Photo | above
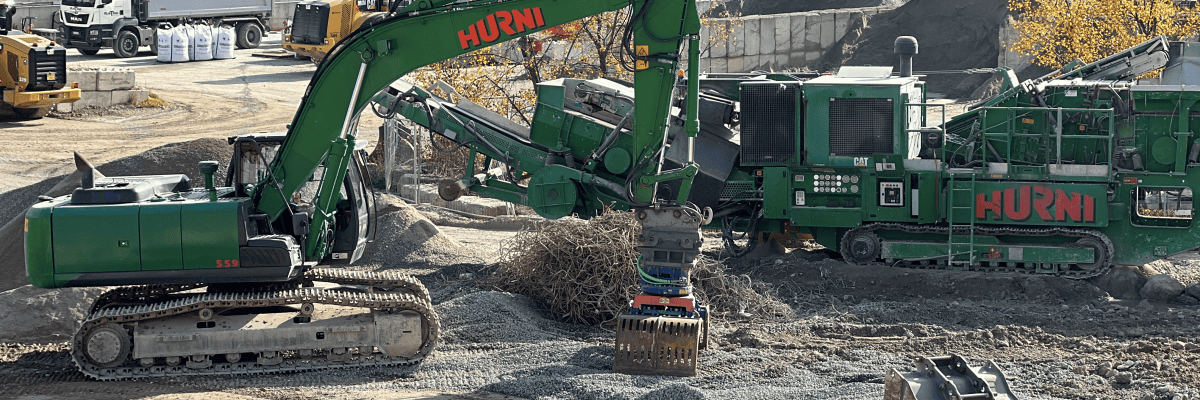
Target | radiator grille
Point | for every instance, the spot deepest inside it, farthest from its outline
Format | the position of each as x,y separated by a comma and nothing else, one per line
44,63
14,64
768,123
860,127
310,23
737,190
347,12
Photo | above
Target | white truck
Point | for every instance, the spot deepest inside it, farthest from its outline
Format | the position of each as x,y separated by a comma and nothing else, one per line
127,25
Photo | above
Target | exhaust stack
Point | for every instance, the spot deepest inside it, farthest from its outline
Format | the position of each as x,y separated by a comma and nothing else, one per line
906,47
88,172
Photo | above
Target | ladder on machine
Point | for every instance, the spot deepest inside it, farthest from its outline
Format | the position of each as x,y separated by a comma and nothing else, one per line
958,245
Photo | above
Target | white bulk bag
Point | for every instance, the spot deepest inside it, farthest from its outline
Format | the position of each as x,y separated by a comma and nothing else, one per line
202,43
225,43
213,32
163,37
181,43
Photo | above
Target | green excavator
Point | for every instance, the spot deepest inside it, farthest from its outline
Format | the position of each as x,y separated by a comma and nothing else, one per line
233,278
1066,175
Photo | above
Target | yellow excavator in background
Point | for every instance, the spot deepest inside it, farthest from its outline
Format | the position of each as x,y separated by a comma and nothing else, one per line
33,71
318,25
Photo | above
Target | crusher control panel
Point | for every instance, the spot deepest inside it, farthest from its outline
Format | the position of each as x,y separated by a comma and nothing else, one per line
891,194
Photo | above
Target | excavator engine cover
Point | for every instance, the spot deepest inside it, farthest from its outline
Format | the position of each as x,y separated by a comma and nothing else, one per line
648,345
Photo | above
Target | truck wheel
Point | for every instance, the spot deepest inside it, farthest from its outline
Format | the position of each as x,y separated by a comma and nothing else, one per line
32,113
126,45
89,52
249,34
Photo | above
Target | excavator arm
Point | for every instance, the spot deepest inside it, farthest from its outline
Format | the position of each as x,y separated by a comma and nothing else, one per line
665,326
373,57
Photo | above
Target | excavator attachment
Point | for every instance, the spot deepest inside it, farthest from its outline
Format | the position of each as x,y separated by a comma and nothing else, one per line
946,378
648,345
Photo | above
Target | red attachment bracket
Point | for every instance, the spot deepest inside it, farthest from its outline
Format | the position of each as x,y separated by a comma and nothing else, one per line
687,303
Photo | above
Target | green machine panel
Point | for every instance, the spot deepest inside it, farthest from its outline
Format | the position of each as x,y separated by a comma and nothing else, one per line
96,238
211,232
162,247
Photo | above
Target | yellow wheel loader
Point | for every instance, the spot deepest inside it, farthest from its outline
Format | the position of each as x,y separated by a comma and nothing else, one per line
318,25
33,71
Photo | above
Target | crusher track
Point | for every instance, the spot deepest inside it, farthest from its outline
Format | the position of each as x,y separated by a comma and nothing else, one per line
399,293
988,231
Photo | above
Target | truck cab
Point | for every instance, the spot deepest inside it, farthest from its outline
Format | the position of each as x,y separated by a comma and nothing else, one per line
89,25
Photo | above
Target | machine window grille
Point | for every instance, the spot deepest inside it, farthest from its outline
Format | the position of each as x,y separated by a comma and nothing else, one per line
768,123
861,127
737,190
1165,203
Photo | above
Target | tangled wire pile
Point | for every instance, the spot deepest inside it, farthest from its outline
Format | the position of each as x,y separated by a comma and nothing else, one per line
737,296
584,272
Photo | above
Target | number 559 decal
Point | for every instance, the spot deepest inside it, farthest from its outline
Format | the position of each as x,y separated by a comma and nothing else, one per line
227,263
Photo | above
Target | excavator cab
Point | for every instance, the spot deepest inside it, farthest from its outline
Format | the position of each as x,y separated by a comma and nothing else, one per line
355,214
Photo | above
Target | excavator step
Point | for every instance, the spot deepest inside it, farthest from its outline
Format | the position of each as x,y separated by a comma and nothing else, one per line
648,345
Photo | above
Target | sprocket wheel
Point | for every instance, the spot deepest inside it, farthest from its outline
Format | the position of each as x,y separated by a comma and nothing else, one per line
107,345
860,247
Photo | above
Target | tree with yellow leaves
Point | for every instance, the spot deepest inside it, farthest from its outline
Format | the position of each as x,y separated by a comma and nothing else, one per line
1056,32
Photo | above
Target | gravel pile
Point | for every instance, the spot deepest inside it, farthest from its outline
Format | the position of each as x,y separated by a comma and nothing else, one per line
502,343
33,314
407,239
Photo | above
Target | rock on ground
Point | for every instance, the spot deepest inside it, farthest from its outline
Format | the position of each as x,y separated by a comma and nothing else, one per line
29,313
1121,282
1161,287
1193,290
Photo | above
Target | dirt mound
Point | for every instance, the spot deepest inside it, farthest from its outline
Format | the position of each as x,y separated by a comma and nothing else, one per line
33,314
176,158
975,41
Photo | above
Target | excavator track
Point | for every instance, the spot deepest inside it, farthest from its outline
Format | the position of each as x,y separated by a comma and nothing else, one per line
989,231
104,346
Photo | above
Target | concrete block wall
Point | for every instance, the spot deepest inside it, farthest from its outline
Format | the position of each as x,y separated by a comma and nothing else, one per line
781,41
104,87
468,204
